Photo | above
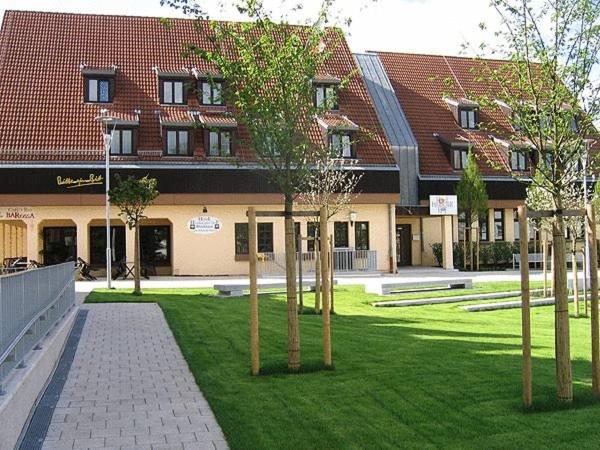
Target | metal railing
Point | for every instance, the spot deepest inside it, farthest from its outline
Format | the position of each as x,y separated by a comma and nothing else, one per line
32,302
344,260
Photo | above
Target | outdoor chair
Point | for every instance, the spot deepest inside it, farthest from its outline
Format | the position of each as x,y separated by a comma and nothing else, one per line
120,269
85,270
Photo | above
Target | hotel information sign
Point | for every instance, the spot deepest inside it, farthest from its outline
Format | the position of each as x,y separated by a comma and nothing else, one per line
443,205
204,225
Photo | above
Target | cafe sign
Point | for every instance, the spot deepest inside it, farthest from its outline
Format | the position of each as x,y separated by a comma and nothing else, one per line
204,225
17,213
443,205
78,182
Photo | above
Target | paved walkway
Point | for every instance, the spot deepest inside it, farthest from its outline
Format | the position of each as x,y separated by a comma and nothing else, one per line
129,387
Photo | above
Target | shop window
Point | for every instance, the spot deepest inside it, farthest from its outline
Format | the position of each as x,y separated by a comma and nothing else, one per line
98,245
98,90
311,228
122,142
499,224
340,235
483,228
211,92
361,235
155,244
60,244
264,234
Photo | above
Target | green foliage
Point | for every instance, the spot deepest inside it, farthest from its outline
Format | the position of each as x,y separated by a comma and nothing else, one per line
438,253
471,191
496,254
132,196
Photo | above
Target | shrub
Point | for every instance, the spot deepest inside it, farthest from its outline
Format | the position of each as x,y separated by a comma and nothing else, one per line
436,248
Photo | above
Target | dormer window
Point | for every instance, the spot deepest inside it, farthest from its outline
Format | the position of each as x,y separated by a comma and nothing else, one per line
98,90
211,92
326,96
467,118
341,144
122,142
219,143
519,160
459,158
172,92
177,142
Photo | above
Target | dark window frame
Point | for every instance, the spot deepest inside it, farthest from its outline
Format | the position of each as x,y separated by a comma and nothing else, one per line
338,227
190,135
310,232
219,132
351,135
516,229
484,228
45,243
468,111
462,160
211,83
99,79
101,229
499,221
120,137
324,86
264,234
184,89
521,162
359,242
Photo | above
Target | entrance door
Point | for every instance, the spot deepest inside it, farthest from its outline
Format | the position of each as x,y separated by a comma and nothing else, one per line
403,245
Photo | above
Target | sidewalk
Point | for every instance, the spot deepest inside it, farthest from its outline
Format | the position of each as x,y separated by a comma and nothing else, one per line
129,387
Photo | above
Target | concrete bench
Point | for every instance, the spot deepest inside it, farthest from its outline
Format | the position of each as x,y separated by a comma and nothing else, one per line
237,290
388,288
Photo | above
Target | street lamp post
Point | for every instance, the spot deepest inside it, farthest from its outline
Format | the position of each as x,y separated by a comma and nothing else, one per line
105,120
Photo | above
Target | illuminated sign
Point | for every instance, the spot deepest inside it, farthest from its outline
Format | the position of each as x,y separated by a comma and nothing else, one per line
71,183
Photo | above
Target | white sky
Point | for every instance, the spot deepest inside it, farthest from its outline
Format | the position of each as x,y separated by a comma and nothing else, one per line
416,26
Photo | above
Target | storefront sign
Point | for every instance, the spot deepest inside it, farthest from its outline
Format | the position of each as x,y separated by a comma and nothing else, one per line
70,182
443,205
17,213
204,225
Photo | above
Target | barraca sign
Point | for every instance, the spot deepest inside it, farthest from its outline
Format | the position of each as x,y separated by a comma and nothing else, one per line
17,213
204,225
71,183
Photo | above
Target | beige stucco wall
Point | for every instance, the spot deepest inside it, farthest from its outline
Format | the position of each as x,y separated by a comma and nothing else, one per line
192,254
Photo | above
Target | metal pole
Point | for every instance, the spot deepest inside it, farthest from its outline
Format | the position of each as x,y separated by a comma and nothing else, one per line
107,142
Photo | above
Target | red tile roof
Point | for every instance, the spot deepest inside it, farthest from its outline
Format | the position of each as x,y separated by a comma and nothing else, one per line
41,86
420,82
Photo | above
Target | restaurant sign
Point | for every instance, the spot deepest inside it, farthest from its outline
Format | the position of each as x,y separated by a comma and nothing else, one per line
17,213
77,182
204,225
443,205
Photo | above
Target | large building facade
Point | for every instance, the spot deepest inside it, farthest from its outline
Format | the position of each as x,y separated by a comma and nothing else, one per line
59,72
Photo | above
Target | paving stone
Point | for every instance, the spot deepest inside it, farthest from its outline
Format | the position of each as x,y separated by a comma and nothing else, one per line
130,388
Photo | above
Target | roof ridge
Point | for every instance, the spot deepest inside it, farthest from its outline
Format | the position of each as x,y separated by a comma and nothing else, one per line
434,55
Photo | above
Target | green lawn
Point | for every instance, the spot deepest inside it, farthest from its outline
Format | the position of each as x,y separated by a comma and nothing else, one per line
423,377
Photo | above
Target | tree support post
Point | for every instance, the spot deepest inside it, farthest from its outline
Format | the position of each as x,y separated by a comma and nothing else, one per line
545,264
252,253
326,310
525,308
591,232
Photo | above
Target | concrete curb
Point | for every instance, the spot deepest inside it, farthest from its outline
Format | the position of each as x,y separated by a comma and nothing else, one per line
24,388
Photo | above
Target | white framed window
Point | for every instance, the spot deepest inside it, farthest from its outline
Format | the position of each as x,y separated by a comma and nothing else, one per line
326,96
467,118
122,142
177,143
341,145
172,92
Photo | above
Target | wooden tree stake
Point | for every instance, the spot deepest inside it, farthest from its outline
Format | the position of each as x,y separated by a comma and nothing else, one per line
525,309
252,253
326,310
575,281
545,263
591,232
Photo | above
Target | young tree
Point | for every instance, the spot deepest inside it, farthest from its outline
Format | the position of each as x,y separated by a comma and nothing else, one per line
549,86
472,198
133,196
333,185
269,67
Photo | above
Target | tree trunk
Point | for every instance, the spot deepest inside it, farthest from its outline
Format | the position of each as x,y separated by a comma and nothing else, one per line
327,361
254,336
545,263
317,276
574,270
593,254
564,383
137,290
290,273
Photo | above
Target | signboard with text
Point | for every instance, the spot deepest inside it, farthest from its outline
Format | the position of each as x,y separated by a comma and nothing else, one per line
17,213
204,225
443,205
